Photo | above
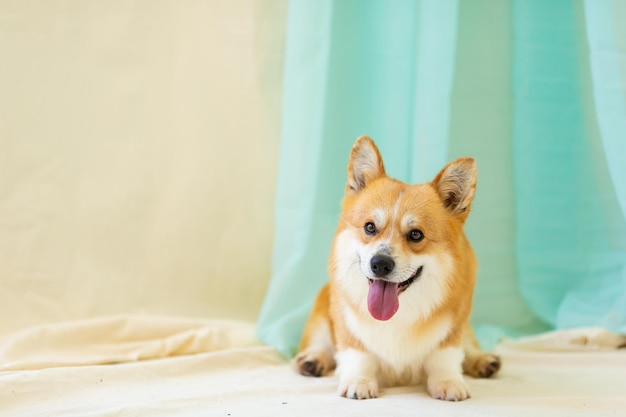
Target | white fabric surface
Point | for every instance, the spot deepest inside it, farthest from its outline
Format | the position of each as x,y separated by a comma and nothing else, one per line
237,376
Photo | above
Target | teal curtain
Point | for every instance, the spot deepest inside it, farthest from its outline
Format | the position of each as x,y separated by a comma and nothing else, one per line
534,90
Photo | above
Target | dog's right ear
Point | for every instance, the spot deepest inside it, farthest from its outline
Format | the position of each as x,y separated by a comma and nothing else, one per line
365,165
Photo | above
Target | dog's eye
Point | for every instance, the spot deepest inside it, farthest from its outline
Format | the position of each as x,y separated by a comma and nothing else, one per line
415,235
370,228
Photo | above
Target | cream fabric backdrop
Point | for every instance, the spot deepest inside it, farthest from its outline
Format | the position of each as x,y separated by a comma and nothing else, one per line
138,154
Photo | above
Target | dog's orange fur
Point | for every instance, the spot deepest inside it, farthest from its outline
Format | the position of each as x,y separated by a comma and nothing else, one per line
430,332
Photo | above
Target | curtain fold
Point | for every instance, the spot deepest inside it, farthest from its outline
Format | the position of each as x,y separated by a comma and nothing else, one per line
570,229
532,89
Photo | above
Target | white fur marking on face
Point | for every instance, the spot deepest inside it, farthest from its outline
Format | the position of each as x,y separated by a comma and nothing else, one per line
409,220
396,206
347,258
396,209
380,220
431,287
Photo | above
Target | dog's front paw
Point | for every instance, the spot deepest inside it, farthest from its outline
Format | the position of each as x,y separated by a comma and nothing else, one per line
359,389
450,390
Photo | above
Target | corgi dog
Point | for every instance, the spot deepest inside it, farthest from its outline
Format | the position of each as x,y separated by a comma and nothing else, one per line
396,308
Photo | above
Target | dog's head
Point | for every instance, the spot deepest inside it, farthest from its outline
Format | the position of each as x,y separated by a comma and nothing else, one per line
403,243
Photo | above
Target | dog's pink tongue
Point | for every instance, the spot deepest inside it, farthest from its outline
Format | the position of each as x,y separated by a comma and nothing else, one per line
382,299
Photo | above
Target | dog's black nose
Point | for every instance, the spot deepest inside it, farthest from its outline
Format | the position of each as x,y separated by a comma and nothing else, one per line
381,265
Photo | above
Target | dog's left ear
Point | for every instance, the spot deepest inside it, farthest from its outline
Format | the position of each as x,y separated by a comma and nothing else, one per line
456,184
365,165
